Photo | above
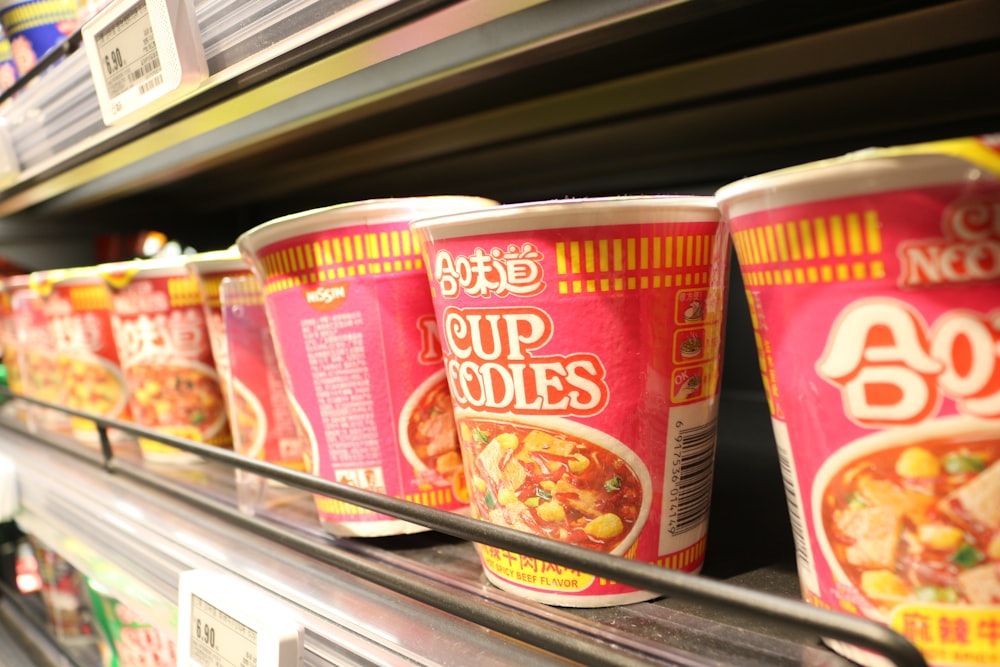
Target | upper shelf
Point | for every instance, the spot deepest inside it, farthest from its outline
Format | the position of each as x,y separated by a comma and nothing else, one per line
530,99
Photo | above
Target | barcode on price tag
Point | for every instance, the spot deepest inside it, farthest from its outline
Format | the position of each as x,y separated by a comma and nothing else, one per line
144,55
224,622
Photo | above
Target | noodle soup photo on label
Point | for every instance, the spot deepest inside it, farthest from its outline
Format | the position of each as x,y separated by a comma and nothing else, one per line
582,345
40,374
77,306
163,344
873,282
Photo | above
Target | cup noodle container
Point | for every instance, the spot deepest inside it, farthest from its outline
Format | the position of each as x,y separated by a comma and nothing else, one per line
582,347
261,416
34,27
37,361
352,321
209,269
163,345
8,333
873,286
77,307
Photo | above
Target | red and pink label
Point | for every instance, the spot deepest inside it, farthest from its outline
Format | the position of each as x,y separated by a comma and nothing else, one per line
354,328
878,323
8,333
163,345
261,416
584,366
209,281
78,311
38,363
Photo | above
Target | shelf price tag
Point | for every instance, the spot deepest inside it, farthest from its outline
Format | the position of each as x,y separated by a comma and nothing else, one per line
144,55
225,622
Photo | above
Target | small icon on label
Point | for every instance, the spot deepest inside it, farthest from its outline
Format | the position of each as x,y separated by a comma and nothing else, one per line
689,344
691,306
688,384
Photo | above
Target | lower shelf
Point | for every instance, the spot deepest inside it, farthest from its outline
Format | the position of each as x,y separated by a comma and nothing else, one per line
417,599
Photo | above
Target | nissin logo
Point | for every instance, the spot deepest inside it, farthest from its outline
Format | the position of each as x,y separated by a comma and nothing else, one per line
325,298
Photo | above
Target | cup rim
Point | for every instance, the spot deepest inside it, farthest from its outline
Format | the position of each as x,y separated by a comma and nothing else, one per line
217,261
368,212
866,171
572,212
146,268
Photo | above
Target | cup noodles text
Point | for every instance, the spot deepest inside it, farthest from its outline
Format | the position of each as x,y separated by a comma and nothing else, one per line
353,325
582,347
163,345
872,282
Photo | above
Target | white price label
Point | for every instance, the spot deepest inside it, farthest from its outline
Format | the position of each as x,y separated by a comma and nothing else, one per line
225,622
218,639
127,48
144,55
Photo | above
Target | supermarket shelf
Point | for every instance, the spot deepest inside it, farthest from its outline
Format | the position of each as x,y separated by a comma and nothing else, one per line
154,524
136,542
55,121
535,99
515,100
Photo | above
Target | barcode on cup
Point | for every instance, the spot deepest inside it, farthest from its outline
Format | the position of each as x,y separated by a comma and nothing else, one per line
692,462
794,499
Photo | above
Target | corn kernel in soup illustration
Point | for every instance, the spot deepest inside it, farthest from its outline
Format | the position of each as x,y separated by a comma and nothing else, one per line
913,515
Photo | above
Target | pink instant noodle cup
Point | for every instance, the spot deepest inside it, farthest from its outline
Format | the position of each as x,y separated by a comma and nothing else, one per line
8,335
261,416
77,307
352,321
209,269
874,289
582,346
163,345
40,374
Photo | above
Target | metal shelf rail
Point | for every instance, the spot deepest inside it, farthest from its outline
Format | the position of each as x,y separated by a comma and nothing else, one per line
823,623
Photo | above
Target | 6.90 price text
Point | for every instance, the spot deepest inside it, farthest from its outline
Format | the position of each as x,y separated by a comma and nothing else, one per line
205,633
113,60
